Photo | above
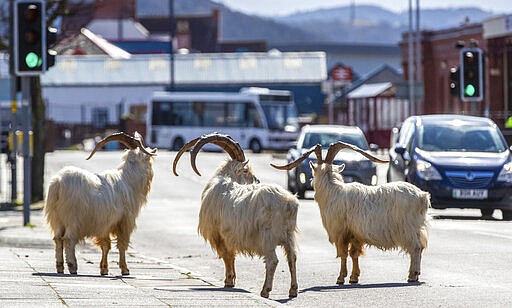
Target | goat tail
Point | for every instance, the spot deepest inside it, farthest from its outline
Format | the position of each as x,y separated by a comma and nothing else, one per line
52,199
423,232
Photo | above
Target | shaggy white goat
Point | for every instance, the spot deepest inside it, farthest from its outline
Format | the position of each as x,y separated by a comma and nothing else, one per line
240,215
81,204
389,216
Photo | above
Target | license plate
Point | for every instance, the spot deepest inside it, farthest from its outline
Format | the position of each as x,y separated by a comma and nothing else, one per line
469,193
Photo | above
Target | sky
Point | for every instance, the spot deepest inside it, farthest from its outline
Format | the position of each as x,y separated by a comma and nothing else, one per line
285,7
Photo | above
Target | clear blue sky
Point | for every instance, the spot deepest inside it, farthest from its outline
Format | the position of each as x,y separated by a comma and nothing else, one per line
285,7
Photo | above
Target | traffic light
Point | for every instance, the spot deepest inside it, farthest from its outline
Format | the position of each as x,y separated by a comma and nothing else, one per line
51,39
454,81
471,75
29,38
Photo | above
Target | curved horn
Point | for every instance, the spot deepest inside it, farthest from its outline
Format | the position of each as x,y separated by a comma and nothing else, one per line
142,146
224,141
334,148
187,146
127,140
318,152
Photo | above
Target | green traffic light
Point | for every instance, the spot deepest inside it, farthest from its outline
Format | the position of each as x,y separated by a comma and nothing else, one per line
469,90
33,60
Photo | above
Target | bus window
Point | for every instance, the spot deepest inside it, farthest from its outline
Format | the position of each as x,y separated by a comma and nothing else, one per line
253,117
235,115
162,114
214,114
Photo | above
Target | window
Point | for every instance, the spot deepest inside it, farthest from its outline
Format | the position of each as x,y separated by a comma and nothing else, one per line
99,117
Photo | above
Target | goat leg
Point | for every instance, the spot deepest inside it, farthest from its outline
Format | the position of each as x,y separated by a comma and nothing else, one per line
70,255
356,249
122,246
270,267
415,267
59,254
104,243
342,249
291,256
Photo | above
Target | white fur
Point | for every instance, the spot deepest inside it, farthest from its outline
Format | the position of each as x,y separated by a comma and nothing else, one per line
389,216
81,204
240,215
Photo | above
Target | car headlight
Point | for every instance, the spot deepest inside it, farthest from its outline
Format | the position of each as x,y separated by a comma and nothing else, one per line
506,173
426,171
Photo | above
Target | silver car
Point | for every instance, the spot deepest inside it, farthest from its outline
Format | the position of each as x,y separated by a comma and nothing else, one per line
357,167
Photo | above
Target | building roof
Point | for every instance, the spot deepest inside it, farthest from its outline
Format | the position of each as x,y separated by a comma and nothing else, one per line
190,69
88,43
370,90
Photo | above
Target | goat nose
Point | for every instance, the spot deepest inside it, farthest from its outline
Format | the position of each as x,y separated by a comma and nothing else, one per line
257,181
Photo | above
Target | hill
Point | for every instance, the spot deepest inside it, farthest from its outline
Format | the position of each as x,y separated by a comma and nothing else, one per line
344,24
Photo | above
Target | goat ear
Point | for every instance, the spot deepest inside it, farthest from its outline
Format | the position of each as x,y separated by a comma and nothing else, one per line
338,168
312,165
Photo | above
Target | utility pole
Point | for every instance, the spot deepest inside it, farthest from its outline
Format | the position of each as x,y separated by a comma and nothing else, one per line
171,38
411,63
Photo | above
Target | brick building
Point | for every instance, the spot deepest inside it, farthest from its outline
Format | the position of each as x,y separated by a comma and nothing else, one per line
441,51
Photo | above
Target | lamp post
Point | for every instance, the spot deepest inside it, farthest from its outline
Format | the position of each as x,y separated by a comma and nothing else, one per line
171,45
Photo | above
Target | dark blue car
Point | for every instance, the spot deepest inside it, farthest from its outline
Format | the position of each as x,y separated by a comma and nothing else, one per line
463,161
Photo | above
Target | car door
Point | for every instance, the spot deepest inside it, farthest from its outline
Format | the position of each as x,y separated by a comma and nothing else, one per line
400,153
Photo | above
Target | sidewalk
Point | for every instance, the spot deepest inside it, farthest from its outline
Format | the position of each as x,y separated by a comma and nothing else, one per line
28,277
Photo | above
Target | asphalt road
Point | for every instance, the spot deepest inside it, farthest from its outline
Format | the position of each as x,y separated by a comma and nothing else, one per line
467,264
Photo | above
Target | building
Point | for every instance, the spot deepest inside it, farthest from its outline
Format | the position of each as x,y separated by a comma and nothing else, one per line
440,51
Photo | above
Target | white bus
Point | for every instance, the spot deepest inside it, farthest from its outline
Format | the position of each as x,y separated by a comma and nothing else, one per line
257,118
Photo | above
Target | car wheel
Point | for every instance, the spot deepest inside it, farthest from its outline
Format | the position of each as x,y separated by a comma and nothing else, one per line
177,144
486,212
289,184
507,215
301,192
255,146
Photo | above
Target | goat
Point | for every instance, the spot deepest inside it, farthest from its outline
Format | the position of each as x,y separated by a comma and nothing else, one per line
240,215
82,204
388,216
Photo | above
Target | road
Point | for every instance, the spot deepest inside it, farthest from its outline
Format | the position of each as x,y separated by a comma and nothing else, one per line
468,262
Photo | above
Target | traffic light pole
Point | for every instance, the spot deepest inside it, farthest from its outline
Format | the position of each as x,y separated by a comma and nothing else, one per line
27,157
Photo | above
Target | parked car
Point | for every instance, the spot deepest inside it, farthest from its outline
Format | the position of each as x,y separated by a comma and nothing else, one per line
357,167
463,161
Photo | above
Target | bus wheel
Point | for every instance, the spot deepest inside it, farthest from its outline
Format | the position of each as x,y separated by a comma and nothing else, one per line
177,144
255,146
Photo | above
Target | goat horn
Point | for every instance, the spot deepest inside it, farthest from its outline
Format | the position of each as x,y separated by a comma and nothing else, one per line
181,151
318,152
127,140
224,141
334,148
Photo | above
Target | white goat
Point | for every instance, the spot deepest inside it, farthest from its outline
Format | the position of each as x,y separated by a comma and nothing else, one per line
389,216
240,215
81,204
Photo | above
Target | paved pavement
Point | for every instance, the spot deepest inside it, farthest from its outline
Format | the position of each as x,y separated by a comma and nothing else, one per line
28,277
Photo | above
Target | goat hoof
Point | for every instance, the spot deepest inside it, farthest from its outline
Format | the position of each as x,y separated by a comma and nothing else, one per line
125,272
104,272
340,281
413,277
264,293
292,293
229,285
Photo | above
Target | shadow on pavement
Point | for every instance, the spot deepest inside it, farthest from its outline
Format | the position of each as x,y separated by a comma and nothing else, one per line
362,286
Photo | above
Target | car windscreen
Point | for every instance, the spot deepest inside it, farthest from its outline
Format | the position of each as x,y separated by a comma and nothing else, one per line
325,139
462,138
